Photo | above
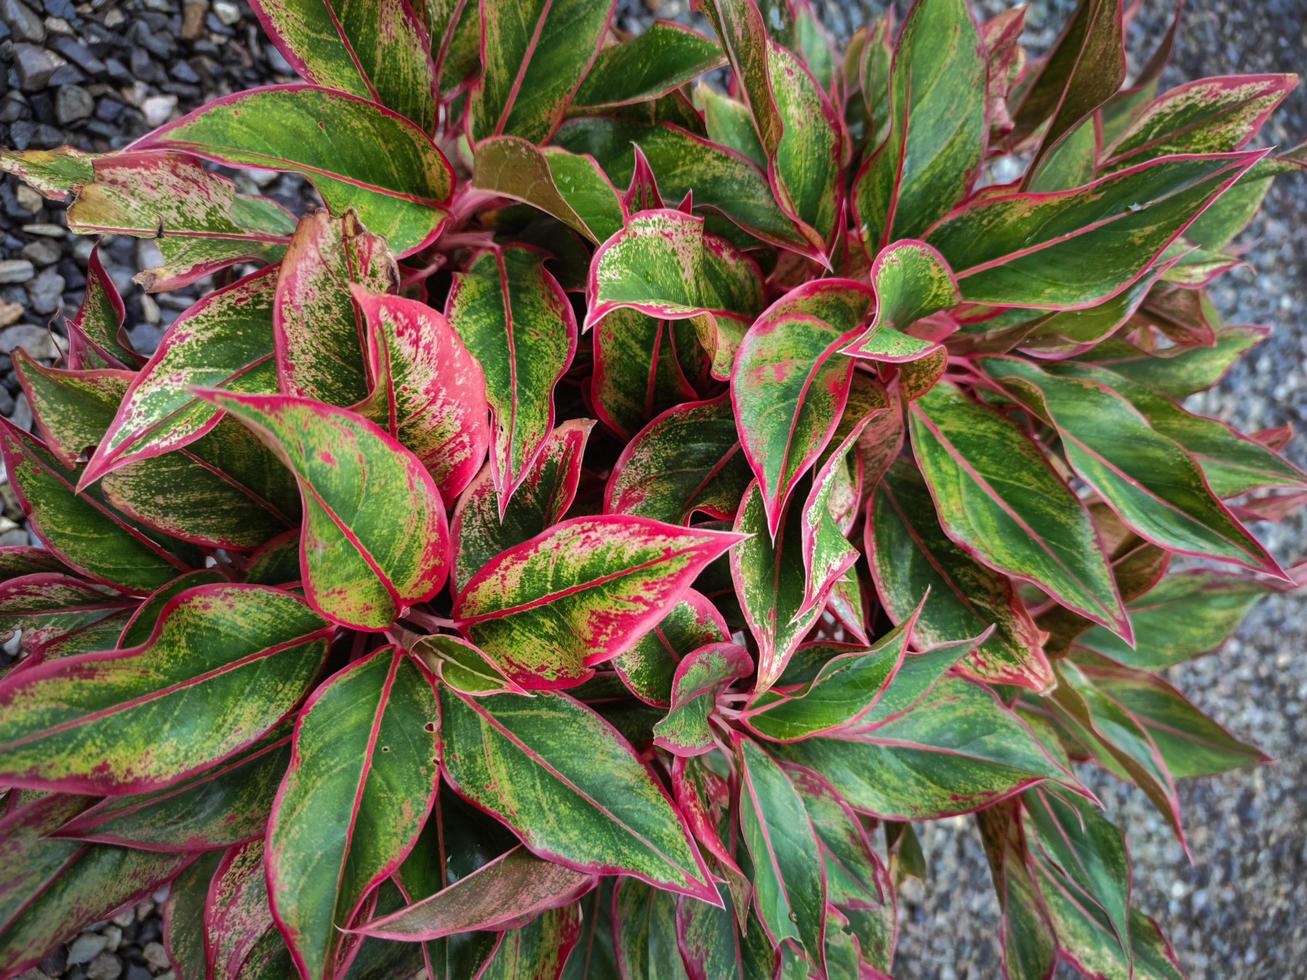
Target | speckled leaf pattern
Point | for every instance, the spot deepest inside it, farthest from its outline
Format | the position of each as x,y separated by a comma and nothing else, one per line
913,562
911,280
379,51
790,384
652,63
1149,480
183,916
548,488
236,913
430,393
223,341
100,322
700,677
319,329
362,779
224,805
648,668
548,610
769,581
1028,944
534,55
569,186
84,532
956,751
827,515
1211,115
50,888
715,176
845,688
570,786
363,566
514,318
357,154
52,609
663,264
72,409
643,365
52,173
711,946
788,876
513,885
198,220
686,460
1074,249
539,949
230,659
1033,528
937,131
644,932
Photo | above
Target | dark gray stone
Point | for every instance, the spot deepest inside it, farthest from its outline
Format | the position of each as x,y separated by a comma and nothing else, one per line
34,65
23,22
73,104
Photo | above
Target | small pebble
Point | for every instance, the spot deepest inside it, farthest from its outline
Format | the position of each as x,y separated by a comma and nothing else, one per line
85,948
16,270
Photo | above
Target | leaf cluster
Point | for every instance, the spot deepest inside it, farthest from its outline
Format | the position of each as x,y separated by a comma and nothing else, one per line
591,542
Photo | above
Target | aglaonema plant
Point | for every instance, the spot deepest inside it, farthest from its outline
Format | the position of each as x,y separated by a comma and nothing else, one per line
592,542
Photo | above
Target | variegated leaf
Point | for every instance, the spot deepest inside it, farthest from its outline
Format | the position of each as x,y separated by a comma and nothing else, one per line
700,677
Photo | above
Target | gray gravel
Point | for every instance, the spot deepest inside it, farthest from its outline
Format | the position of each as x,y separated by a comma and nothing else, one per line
98,74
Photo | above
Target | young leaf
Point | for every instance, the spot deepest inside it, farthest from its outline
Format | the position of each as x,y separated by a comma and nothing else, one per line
101,320
700,678
363,566
228,661
318,326
967,453
788,874
548,610
462,666
534,55
648,667
379,52
911,281
937,125
429,391
515,320
537,949
789,386
361,782
573,788
357,154
481,532
914,563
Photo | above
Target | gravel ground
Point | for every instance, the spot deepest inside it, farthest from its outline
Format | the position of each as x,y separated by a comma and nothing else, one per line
98,74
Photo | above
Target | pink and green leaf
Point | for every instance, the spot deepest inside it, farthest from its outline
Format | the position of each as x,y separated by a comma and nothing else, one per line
228,660
550,609
643,366
700,677
51,607
361,782
462,666
101,321
236,914
363,566
648,668
663,57
569,786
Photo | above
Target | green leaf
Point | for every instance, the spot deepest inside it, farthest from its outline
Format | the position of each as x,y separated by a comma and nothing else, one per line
224,805
226,661
712,175
507,888
700,677
1032,528
663,264
538,949
378,51
196,217
237,919
223,341
52,609
429,392
569,186
910,281
50,888
146,616
1149,480
1179,371
53,173
85,533
662,57
1074,249
855,876
769,581
100,322
1211,115
534,55
643,366
548,610
913,563
712,947
72,409
686,461
318,325
570,786
183,915
1028,942
357,154
789,386
828,514
362,567
516,321
361,782
937,134
648,668
845,688
547,489
644,932
790,886
729,123
958,750
462,666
